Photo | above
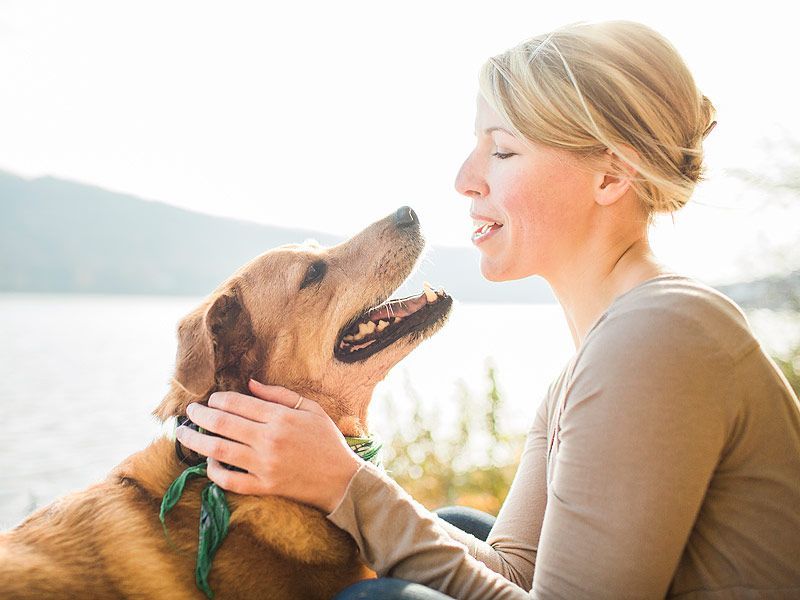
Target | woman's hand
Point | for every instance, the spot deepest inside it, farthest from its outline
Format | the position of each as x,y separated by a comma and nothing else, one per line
296,453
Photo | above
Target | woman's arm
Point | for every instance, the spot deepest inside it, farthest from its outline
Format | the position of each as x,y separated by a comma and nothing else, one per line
509,550
398,537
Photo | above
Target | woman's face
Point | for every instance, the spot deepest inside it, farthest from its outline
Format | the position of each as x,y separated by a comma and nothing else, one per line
530,207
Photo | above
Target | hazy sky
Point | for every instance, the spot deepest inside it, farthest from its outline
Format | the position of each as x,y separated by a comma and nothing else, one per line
329,115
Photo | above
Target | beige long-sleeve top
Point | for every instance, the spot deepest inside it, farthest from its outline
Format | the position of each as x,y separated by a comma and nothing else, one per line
664,461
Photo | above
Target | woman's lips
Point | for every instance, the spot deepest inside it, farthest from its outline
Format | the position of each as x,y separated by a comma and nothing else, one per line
485,231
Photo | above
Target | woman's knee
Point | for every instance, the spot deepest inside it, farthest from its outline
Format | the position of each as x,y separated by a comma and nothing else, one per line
387,588
471,520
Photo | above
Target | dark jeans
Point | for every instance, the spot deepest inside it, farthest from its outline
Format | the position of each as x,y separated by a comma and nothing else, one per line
387,588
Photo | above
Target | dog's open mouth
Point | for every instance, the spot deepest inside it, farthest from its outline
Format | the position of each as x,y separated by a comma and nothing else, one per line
379,327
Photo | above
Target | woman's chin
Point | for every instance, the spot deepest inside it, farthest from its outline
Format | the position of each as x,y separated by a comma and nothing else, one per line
491,270
496,270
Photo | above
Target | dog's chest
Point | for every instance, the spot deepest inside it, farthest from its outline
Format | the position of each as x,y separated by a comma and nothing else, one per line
281,555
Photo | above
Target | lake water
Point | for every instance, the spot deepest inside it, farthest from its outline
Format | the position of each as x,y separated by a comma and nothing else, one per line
81,374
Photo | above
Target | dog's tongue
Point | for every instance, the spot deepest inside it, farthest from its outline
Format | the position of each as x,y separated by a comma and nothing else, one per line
401,308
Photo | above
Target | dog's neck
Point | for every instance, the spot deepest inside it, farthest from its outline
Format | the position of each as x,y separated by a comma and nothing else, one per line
350,416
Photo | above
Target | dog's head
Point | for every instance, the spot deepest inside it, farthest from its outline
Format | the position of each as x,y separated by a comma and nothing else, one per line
315,320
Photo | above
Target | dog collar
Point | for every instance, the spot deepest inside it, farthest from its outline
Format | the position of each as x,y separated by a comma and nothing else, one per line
368,448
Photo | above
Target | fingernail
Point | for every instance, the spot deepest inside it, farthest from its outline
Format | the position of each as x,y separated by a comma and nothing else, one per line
179,431
190,409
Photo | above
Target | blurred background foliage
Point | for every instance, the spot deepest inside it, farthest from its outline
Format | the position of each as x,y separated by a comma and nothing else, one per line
472,466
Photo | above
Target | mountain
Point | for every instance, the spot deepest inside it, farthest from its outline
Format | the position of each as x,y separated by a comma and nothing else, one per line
67,237
777,292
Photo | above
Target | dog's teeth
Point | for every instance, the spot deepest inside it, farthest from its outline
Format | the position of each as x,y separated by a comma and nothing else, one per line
365,328
382,325
430,295
348,338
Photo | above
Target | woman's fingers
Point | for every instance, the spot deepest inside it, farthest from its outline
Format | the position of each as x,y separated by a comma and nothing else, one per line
244,406
283,396
223,423
272,442
227,451
233,481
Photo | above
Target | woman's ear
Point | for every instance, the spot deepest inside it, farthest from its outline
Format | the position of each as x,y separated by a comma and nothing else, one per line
613,181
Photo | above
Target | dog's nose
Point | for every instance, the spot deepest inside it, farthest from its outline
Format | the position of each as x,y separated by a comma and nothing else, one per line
405,217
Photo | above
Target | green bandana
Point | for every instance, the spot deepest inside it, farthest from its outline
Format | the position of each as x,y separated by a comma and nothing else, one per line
214,518
215,514
366,447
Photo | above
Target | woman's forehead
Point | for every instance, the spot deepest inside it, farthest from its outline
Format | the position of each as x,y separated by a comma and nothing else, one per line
487,119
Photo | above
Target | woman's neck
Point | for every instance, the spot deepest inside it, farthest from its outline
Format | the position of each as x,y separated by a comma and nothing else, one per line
587,293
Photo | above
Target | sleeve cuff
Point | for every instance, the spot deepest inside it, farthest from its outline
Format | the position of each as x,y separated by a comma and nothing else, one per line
363,480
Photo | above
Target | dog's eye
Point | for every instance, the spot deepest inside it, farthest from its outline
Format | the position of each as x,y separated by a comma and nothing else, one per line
316,271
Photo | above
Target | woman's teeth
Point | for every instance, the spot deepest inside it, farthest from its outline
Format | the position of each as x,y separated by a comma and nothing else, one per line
484,229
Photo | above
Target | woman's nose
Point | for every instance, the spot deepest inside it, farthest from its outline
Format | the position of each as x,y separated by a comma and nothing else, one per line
469,180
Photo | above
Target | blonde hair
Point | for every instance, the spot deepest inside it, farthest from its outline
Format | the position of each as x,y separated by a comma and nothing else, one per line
587,87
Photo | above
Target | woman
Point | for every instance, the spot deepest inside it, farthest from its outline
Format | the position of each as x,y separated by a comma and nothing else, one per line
664,459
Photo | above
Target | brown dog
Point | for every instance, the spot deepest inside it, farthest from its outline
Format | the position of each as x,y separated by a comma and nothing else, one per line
289,317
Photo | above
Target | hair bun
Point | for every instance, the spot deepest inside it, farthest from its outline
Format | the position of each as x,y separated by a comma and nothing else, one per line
692,166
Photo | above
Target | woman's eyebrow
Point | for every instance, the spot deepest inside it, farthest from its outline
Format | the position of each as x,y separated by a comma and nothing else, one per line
489,130
503,129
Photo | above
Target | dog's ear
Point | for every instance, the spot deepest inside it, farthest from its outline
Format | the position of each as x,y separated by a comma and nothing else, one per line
233,341
216,351
194,367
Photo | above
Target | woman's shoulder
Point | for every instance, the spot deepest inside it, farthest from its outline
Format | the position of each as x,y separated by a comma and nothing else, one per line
677,310
668,344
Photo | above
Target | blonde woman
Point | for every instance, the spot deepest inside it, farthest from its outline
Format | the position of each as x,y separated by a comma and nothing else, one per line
664,460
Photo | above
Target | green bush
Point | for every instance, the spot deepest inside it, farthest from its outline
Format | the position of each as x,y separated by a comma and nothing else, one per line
790,366
445,470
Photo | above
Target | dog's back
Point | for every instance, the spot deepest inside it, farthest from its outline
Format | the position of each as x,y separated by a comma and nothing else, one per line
107,542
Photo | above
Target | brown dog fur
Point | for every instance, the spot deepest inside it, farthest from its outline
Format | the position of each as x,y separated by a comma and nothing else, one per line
107,541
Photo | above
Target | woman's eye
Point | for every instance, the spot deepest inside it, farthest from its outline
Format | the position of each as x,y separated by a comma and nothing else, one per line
503,154
314,273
